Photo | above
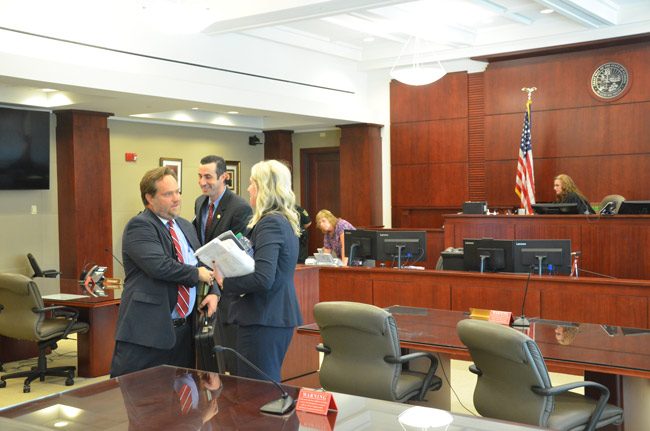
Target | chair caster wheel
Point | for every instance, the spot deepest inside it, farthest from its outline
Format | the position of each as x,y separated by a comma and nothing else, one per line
3,384
69,382
26,389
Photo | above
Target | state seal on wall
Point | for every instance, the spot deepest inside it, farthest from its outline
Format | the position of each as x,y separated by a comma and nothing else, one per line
609,80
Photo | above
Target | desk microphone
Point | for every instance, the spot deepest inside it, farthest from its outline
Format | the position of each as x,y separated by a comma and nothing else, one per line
522,321
114,257
275,407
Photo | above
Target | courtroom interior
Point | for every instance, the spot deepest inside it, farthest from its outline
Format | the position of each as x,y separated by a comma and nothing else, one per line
436,177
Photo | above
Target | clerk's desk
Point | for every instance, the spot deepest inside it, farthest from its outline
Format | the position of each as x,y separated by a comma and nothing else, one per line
146,400
95,347
596,350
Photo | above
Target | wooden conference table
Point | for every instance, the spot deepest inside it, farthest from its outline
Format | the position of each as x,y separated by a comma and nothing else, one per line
148,400
95,347
597,351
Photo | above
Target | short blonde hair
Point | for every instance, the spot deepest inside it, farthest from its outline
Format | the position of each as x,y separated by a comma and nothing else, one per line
274,194
327,215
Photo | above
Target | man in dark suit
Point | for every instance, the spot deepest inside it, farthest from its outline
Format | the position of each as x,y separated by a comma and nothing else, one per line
216,211
155,318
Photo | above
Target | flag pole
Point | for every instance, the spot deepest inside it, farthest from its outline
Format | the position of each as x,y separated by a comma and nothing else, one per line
525,179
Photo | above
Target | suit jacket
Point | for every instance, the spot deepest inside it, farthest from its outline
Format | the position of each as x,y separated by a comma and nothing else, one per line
233,213
269,296
152,275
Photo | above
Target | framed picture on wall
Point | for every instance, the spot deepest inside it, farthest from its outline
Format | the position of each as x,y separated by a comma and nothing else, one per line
177,166
232,169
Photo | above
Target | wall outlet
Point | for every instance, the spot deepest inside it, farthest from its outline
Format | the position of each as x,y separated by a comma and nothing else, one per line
34,210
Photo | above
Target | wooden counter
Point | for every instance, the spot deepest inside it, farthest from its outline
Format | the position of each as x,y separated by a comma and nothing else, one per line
584,299
610,245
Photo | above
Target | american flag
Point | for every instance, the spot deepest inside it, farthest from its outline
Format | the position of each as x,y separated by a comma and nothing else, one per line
525,182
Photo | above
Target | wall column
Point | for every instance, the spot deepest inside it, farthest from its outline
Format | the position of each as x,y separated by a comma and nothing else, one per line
278,145
361,185
84,191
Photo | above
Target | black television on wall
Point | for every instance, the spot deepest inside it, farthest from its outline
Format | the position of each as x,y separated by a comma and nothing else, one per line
24,149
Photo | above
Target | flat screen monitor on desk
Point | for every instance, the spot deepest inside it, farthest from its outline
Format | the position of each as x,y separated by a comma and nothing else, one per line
543,256
488,255
634,207
401,246
555,208
360,246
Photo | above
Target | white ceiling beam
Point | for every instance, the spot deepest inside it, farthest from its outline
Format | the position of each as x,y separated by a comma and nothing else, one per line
591,13
299,13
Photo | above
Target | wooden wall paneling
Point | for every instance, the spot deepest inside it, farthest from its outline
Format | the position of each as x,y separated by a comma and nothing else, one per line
421,218
412,291
559,304
433,185
476,137
495,294
446,98
478,227
302,357
84,191
360,174
278,145
355,286
500,180
617,247
552,228
563,80
442,140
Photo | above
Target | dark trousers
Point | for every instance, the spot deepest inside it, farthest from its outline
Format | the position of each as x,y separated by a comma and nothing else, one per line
264,346
225,334
129,357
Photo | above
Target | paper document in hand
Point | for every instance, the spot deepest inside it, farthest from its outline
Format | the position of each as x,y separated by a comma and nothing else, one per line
231,260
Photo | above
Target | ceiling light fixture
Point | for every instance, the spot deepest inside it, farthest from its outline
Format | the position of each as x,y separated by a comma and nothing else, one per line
233,112
48,90
416,73
546,11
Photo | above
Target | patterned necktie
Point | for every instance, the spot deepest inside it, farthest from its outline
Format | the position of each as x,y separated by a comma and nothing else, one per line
208,221
183,297
185,398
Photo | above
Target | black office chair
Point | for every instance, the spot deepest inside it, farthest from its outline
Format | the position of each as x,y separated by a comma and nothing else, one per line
24,317
38,272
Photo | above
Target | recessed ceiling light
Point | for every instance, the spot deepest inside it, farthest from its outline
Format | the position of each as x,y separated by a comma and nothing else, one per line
48,90
195,109
546,11
233,112
368,39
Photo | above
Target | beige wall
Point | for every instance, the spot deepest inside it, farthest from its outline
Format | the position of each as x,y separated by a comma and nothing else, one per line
152,141
38,234
22,232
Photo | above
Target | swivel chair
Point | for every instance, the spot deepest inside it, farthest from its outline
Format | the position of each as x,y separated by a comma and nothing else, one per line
616,202
24,317
363,356
49,273
513,383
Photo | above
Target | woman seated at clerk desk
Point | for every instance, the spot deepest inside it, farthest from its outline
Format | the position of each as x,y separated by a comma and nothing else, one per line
333,227
566,192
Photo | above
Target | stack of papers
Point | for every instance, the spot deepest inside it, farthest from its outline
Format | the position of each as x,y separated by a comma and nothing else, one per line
228,256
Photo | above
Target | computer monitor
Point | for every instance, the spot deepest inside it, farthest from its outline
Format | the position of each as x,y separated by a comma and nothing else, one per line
555,208
360,246
401,246
488,255
634,207
542,256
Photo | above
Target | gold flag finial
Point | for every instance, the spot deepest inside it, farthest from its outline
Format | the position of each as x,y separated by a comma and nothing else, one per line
529,90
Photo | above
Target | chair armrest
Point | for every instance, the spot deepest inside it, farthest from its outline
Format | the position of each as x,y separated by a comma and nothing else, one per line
71,314
324,349
433,366
475,370
600,405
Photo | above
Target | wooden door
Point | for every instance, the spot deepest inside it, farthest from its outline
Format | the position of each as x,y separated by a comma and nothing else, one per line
320,188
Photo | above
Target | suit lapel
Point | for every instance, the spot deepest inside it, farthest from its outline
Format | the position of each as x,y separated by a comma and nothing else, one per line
218,215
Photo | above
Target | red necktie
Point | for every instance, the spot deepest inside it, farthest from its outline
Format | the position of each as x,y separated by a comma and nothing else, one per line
208,221
183,298
185,398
